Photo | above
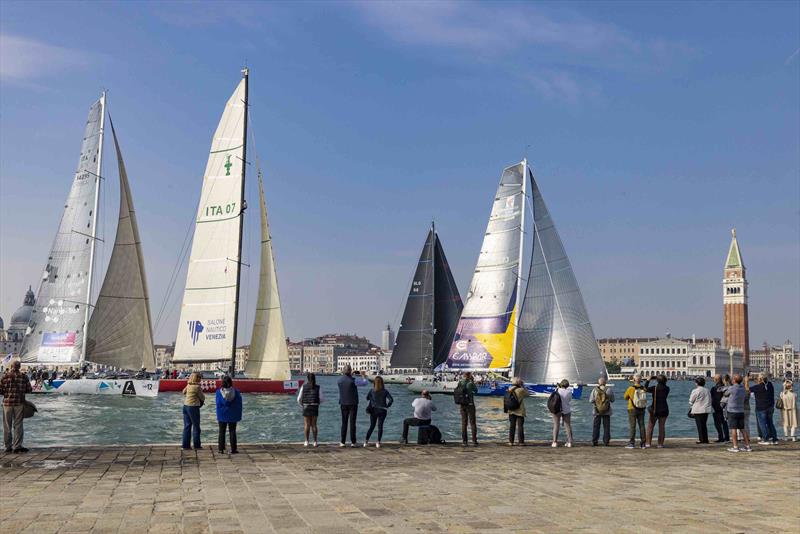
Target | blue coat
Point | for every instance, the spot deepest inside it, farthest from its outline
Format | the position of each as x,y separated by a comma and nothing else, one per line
348,393
229,411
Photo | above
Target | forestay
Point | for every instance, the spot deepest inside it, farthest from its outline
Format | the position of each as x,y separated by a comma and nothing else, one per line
484,338
208,312
56,331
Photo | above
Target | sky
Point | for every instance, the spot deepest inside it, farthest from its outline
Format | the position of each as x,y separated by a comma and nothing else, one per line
652,128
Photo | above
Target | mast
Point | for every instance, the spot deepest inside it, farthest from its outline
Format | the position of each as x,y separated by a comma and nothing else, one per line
232,370
94,228
519,264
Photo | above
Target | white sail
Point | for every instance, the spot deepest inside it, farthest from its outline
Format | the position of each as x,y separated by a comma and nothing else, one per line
120,331
485,335
56,331
206,330
269,355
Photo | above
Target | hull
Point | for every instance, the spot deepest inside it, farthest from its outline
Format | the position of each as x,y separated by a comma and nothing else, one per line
245,385
489,389
402,378
98,386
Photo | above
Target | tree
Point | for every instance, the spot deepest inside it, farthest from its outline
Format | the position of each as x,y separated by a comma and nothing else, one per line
612,367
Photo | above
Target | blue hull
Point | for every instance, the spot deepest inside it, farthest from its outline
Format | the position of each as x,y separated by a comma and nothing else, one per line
498,389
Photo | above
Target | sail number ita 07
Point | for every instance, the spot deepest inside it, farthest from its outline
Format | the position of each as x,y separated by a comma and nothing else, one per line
227,209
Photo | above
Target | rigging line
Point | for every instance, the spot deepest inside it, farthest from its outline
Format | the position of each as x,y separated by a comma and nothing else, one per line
174,275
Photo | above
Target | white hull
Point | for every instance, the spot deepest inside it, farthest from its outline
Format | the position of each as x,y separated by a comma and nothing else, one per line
402,378
98,386
446,387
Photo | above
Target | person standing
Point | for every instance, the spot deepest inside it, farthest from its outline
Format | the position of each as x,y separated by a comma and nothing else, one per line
699,408
193,399
720,423
765,407
736,395
348,403
13,386
516,416
636,395
565,415
309,398
789,411
659,409
464,395
601,398
380,400
229,412
423,408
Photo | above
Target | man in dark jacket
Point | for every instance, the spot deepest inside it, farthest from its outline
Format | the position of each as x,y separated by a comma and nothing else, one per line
468,409
765,407
13,386
717,392
348,403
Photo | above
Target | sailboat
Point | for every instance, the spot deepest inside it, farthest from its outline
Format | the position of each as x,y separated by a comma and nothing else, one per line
429,321
538,331
63,329
210,309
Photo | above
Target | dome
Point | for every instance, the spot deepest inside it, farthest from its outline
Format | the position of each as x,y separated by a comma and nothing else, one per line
21,317
1,323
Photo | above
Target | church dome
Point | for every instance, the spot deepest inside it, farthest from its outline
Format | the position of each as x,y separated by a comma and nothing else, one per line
1,323
21,317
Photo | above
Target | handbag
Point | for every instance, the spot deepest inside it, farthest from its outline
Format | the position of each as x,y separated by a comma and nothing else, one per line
690,415
28,409
370,409
779,402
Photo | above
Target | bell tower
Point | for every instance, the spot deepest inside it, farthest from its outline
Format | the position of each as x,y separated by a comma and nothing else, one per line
734,301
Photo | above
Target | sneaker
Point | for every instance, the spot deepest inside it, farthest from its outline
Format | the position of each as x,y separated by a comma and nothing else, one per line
366,444
353,445
342,445
747,449
594,444
659,446
630,446
569,444
378,445
9,449
20,450
316,444
719,441
463,443
775,442
403,442
554,444
474,443
794,438
642,446
235,451
305,443
733,449
221,451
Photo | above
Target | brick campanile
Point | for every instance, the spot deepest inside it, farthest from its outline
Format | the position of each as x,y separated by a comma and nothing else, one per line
734,300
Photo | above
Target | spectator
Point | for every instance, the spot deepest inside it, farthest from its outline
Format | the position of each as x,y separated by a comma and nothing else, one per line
516,416
565,416
348,403
423,408
699,408
720,423
13,386
193,399
466,399
765,407
788,407
636,395
601,399
659,409
229,412
736,395
310,397
380,400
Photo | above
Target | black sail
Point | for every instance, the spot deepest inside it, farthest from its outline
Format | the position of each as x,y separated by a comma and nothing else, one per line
414,346
447,305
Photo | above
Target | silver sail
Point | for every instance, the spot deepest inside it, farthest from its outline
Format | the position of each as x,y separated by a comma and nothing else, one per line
120,331
56,331
555,340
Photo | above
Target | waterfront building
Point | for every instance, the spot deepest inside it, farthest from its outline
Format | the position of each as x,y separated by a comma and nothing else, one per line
11,338
736,332
387,338
369,363
664,356
778,360
321,354
707,361
617,349
163,355
687,358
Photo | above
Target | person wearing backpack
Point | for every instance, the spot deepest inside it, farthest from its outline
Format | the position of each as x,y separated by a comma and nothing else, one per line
564,413
636,396
601,398
464,396
514,405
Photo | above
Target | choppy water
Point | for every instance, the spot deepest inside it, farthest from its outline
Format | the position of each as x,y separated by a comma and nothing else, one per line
113,420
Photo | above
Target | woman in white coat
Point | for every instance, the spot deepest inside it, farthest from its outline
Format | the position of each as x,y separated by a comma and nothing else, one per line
699,408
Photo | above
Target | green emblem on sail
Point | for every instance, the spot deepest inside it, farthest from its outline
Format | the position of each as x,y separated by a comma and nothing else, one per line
228,166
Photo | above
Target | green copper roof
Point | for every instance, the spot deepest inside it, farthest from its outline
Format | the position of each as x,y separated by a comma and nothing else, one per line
734,256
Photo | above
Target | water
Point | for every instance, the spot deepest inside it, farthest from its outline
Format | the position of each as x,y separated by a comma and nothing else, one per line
116,420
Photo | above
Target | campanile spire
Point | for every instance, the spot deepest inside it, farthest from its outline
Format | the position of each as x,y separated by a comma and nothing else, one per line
734,301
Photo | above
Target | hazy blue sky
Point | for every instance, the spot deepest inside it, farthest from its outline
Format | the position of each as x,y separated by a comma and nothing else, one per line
653,129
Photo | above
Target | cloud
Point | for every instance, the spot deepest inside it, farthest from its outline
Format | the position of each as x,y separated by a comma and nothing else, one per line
24,60
792,57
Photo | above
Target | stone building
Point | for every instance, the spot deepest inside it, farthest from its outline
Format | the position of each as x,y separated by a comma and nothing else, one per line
11,338
618,349
687,358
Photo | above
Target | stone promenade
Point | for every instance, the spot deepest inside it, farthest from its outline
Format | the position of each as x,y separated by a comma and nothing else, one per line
492,488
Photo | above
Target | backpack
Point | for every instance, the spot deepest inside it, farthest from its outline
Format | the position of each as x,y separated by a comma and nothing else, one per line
461,395
639,398
554,402
428,435
601,402
510,400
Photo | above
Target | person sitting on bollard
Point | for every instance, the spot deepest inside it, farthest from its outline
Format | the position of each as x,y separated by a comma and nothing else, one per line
423,408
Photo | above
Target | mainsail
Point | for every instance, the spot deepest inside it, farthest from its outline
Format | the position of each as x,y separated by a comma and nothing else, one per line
447,305
120,331
269,355
555,339
207,327
485,336
58,322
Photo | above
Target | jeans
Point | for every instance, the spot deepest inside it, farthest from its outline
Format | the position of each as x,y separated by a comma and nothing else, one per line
13,431
413,421
191,425
766,424
377,416
723,434
349,412
636,417
232,430
662,428
701,420
606,422
516,422
567,418
468,415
